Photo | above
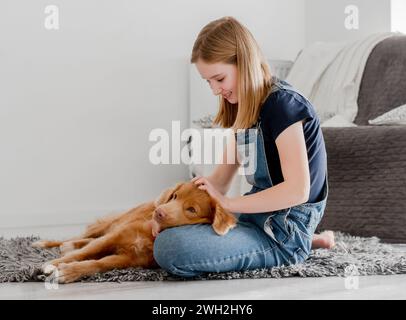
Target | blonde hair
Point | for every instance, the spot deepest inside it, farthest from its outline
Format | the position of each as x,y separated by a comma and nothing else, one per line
227,41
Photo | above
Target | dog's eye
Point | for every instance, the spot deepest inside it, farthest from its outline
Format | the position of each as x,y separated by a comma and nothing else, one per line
174,197
191,209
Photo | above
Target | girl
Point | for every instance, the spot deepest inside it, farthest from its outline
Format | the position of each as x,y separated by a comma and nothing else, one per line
278,216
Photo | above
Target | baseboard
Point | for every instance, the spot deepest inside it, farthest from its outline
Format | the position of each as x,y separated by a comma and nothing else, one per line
54,218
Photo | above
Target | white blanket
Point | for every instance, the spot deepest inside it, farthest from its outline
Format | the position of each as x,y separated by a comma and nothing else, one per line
329,75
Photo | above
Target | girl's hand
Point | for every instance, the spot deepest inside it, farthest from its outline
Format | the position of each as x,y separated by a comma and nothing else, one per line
204,184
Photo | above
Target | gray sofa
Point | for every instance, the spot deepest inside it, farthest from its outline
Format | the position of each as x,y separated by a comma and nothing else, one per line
367,164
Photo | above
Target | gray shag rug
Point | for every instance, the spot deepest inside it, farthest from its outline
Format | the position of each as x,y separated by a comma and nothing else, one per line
19,262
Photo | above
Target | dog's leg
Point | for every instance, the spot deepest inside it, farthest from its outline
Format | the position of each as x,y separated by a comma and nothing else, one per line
70,272
89,251
69,246
46,244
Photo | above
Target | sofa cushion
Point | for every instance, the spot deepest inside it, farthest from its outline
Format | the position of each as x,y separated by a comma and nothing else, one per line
383,85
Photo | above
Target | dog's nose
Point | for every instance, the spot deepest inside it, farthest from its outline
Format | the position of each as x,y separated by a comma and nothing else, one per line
160,213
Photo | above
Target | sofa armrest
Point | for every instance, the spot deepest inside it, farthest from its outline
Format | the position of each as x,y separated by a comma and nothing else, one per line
367,180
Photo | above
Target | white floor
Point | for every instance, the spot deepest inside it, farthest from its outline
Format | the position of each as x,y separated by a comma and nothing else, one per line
368,287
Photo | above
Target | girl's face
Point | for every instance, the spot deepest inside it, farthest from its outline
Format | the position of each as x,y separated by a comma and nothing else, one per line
221,77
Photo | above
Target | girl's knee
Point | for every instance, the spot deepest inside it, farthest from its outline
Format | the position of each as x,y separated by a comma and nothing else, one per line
168,248
172,250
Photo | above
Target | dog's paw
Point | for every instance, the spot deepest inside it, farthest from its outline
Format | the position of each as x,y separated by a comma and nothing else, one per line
60,274
67,273
39,244
48,268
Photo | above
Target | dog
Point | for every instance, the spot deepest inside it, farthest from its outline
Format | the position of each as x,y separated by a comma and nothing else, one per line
127,239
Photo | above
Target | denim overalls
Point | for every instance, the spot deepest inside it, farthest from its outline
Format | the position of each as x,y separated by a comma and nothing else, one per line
291,229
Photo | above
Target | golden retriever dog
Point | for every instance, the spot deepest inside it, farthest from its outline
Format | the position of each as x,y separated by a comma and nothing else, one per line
127,239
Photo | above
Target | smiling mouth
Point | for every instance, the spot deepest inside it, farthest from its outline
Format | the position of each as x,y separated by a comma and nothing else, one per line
227,96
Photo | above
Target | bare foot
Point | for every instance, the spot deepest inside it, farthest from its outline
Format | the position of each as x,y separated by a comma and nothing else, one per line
323,240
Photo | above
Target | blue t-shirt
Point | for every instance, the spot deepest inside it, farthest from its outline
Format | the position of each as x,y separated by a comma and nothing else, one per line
283,107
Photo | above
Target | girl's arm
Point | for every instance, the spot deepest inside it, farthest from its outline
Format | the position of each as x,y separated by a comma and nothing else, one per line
294,189
224,172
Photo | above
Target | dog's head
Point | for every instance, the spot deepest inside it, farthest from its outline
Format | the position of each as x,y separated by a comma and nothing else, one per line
185,204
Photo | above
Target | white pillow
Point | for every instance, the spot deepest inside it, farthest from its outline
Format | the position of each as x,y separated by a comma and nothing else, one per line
338,121
396,116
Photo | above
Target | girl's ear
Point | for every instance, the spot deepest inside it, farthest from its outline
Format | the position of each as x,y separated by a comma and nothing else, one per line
223,220
165,196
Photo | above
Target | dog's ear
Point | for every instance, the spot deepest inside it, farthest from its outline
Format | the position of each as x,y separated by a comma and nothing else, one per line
167,194
223,220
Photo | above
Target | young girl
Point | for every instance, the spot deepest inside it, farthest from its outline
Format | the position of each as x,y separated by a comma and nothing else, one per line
279,215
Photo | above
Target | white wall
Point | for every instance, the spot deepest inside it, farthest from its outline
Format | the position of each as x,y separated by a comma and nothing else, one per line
398,15
325,19
77,104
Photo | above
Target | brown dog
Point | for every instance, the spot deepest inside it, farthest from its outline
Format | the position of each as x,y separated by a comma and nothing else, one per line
126,240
